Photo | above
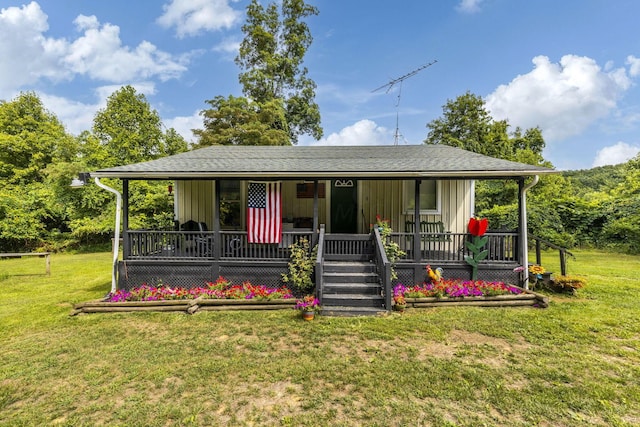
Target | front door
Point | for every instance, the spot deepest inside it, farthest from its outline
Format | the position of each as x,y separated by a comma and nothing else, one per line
344,206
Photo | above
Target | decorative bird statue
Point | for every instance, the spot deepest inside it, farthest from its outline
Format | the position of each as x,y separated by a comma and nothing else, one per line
436,275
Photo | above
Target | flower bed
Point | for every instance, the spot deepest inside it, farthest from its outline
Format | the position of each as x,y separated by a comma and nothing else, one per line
218,295
460,292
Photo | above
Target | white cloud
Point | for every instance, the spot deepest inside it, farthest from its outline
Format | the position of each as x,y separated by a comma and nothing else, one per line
469,6
76,116
229,45
615,154
634,65
364,132
184,125
97,53
563,98
32,55
191,17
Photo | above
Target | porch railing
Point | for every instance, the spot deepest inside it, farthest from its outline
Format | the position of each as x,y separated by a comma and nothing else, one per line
501,246
320,265
356,247
157,244
383,267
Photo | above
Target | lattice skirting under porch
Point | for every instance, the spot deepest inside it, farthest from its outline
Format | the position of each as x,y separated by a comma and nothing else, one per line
132,274
415,274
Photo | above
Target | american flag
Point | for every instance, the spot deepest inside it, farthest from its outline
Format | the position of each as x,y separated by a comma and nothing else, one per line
264,212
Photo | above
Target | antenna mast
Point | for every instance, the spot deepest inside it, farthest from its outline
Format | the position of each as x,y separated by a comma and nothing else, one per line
400,80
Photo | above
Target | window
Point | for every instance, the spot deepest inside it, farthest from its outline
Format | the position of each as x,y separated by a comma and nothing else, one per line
230,203
429,196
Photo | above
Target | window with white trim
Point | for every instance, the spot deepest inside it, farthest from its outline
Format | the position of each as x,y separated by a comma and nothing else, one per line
429,196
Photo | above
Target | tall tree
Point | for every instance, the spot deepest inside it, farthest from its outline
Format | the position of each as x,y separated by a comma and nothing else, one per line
271,57
280,97
239,121
31,139
131,131
468,125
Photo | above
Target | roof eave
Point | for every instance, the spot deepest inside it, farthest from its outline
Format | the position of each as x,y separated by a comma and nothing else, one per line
323,175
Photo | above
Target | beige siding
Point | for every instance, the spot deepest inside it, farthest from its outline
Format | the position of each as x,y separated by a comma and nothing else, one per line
386,198
195,201
293,207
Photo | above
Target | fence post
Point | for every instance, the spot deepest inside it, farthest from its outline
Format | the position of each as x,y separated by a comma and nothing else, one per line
563,262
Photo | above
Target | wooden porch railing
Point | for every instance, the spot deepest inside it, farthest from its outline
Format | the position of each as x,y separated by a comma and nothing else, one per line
502,246
383,267
154,244
562,252
320,265
355,247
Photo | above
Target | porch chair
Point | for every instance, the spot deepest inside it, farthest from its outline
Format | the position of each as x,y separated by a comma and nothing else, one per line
434,231
202,243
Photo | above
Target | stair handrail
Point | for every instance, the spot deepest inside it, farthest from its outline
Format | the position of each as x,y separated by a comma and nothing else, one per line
320,264
562,252
383,266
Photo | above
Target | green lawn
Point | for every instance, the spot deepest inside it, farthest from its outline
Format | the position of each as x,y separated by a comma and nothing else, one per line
575,363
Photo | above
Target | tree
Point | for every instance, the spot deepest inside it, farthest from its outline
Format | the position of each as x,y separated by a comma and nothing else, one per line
468,125
239,121
279,103
30,137
130,131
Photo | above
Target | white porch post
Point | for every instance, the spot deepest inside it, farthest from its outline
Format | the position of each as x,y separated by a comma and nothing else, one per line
524,231
116,234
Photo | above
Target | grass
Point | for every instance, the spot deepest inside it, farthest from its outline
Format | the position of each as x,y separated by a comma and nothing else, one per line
575,363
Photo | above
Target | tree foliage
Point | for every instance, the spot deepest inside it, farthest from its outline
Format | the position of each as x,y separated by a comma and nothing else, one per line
130,131
468,125
239,121
598,207
38,159
279,103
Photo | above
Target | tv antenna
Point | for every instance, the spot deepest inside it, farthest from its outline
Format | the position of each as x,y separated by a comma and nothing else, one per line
399,81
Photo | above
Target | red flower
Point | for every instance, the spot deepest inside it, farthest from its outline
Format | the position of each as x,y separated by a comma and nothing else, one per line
477,227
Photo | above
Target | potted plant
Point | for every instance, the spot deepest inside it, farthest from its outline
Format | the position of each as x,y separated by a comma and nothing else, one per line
301,264
308,306
399,303
535,275
567,284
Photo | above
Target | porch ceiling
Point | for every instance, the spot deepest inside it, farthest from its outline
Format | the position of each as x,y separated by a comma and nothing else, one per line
305,162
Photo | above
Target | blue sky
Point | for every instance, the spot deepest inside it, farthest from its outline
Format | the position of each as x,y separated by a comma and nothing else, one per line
571,67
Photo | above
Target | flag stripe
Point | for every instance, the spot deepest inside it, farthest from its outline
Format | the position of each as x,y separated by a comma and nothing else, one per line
264,216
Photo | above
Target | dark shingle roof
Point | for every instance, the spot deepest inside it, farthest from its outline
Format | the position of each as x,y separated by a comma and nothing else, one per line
324,162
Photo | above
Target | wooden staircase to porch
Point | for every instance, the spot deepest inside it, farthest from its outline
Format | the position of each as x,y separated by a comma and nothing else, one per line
351,288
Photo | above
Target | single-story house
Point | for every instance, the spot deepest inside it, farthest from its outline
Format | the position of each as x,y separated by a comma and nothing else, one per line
238,208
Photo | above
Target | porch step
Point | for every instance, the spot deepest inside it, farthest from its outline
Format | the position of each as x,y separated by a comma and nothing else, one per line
343,277
353,300
349,267
340,311
351,288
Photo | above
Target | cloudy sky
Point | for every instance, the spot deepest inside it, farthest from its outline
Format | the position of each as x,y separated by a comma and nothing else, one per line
570,67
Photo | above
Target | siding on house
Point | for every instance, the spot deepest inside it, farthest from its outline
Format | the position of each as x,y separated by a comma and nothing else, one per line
196,198
387,199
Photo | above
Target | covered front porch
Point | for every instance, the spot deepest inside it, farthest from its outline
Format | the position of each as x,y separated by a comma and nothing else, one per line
190,258
332,197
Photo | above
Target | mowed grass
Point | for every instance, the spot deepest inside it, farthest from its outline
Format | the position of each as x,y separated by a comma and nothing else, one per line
575,363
